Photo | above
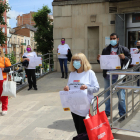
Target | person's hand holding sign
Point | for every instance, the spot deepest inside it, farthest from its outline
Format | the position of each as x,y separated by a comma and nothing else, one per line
122,56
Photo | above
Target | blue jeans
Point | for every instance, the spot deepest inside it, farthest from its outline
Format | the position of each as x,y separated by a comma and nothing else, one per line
121,97
61,61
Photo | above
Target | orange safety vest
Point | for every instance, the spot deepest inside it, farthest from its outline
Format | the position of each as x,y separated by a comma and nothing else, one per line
2,65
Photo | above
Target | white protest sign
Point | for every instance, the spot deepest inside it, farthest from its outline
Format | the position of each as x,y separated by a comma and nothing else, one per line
132,50
35,61
110,62
135,59
62,51
74,100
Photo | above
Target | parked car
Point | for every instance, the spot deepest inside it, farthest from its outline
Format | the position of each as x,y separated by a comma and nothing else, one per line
16,76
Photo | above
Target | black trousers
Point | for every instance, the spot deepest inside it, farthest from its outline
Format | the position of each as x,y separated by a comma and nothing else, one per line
79,123
31,77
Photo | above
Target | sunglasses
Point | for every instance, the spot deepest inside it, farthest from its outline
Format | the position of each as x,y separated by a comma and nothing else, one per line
76,59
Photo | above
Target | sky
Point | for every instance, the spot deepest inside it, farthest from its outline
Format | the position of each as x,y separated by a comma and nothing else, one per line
19,7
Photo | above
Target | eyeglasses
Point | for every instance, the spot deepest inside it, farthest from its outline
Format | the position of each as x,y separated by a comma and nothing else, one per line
76,59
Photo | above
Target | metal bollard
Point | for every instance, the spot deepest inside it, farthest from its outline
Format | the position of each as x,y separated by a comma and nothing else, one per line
111,100
126,98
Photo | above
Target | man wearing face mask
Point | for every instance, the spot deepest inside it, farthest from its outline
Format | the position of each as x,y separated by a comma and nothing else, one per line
137,52
63,58
115,49
30,70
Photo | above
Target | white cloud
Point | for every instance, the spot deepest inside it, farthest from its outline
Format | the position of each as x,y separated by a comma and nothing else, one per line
14,14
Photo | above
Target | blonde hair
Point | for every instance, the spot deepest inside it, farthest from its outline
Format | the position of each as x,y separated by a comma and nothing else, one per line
2,53
138,41
84,62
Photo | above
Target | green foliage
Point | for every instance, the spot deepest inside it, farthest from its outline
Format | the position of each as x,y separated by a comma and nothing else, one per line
11,57
44,33
46,66
3,7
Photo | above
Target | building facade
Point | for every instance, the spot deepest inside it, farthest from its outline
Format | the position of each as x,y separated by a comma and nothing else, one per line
27,31
4,29
87,25
25,19
8,31
18,46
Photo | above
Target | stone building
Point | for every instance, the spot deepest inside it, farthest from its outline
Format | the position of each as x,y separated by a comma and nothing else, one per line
87,25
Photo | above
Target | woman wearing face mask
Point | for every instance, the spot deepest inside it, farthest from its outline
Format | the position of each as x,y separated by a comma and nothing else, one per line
30,71
5,67
63,58
81,75
137,52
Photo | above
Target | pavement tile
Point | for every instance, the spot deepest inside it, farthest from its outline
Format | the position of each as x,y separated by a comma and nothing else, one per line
38,115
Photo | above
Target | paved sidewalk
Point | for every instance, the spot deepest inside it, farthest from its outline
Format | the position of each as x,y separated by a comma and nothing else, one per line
38,115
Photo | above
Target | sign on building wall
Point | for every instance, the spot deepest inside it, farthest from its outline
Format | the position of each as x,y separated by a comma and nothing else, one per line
107,40
23,44
135,18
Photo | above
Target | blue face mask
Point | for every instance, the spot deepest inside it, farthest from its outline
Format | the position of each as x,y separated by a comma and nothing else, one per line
113,42
77,64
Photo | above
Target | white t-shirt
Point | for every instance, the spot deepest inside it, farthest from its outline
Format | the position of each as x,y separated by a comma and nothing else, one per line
114,51
60,47
29,55
85,78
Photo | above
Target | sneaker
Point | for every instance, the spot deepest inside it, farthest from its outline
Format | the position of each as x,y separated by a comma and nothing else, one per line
4,113
135,91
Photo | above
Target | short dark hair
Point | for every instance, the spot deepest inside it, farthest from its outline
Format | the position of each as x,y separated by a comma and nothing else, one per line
62,38
114,34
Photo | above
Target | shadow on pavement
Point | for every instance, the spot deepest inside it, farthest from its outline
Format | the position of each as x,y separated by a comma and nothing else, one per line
65,125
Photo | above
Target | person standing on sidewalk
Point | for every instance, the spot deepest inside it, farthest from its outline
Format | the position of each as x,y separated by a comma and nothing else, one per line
63,58
115,49
30,71
81,77
5,67
137,51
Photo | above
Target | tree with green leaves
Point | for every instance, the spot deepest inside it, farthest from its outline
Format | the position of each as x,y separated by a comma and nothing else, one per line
3,7
11,57
44,33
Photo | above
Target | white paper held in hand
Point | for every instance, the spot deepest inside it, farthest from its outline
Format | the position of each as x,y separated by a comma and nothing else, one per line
74,100
1,76
63,50
35,61
135,59
132,50
110,62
